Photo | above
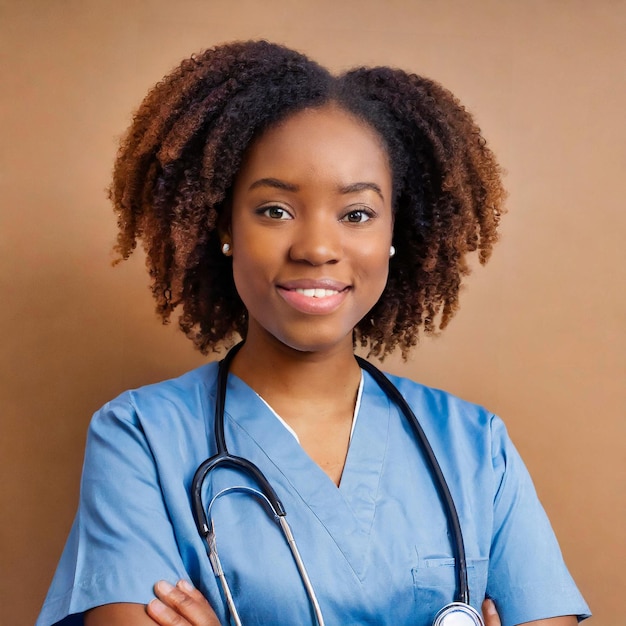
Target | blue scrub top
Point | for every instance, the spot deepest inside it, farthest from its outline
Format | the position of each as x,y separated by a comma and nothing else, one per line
376,548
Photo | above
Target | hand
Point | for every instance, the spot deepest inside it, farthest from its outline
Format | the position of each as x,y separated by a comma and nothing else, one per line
182,605
490,615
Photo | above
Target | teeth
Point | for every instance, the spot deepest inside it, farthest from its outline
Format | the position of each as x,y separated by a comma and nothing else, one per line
317,293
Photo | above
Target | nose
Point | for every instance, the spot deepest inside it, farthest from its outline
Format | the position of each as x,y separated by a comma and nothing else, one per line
316,241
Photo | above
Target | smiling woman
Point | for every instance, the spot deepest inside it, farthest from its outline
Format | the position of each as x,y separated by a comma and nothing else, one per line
305,214
175,173
311,228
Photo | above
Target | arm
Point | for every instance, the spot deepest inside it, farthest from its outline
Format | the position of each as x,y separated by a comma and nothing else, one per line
118,614
174,606
527,575
491,617
185,606
123,538
565,620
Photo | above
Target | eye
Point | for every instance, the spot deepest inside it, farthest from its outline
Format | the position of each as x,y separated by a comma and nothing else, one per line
358,216
275,213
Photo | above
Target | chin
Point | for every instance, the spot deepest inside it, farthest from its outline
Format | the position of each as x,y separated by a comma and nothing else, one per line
315,342
317,334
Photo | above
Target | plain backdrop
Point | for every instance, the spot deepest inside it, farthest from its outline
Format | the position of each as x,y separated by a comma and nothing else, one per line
540,335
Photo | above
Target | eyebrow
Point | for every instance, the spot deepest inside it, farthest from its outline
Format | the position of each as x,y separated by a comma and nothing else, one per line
354,187
275,183
281,184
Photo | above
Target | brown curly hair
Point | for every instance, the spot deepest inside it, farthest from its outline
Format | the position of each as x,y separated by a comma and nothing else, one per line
178,161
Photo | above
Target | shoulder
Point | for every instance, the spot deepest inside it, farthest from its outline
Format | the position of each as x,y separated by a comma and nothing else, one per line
442,408
184,391
460,432
173,407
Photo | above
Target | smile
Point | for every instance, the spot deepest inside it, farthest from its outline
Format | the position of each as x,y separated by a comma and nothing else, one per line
317,293
322,298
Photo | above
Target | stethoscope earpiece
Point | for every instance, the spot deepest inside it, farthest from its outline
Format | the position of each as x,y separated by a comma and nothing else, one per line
458,614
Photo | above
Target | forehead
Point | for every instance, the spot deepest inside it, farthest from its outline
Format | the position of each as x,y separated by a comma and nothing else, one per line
325,143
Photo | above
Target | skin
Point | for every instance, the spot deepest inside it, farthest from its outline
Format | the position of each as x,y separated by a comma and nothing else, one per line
311,207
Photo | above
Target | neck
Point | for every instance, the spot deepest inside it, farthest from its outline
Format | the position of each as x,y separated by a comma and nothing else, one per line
275,370
314,392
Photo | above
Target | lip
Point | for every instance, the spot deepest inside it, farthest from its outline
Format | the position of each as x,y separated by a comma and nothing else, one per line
291,292
310,283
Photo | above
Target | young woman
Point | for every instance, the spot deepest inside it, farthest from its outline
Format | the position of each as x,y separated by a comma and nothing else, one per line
307,214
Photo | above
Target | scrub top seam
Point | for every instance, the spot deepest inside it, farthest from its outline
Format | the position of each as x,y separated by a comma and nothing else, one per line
383,460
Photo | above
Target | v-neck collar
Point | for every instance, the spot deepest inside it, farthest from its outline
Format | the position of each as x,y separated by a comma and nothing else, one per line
357,406
347,512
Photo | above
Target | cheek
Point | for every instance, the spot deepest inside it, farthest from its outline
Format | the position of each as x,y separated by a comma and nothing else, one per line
374,254
375,272
253,272
245,279
382,276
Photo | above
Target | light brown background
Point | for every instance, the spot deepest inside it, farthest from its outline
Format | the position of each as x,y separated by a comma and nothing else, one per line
539,339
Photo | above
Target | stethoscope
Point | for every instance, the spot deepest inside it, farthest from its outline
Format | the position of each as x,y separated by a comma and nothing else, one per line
457,613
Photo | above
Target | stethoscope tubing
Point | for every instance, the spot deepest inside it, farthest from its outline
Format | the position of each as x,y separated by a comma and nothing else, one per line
223,458
452,516
235,462
216,563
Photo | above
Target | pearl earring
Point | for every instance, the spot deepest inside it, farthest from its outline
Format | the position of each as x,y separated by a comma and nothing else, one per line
392,251
226,249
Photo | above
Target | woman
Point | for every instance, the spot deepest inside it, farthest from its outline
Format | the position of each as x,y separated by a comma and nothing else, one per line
307,214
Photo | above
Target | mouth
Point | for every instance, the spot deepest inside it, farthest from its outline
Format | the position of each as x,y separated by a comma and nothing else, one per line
319,297
314,288
317,293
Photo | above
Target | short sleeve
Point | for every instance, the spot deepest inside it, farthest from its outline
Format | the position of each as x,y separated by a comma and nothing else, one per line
527,576
122,540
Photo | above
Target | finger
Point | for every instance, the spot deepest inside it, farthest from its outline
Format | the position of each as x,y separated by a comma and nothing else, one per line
186,587
490,614
163,615
187,602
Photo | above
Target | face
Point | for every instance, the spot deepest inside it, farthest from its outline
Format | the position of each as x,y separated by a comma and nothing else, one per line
311,228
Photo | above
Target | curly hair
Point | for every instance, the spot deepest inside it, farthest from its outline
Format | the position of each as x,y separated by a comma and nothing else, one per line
179,159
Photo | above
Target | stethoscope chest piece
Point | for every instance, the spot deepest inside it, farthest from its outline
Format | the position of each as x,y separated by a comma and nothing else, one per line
458,614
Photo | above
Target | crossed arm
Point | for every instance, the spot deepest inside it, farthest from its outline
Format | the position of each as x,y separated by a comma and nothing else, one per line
183,605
